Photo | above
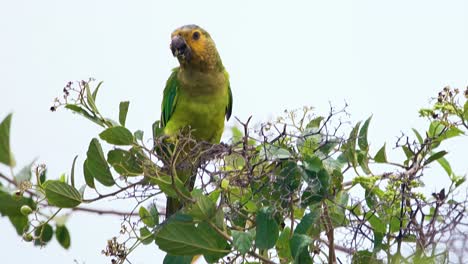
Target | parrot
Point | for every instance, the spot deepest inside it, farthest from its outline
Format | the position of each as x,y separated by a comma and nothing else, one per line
197,95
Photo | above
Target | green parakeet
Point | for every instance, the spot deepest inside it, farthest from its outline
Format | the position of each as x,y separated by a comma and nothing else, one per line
197,94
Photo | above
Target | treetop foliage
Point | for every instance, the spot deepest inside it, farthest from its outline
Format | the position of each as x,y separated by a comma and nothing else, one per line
302,189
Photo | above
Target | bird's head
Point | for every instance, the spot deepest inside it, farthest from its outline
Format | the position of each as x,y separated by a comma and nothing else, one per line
194,48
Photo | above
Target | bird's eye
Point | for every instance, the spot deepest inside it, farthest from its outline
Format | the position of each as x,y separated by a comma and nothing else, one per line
196,35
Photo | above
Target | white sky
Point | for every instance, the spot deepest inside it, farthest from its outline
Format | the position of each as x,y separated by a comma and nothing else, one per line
383,58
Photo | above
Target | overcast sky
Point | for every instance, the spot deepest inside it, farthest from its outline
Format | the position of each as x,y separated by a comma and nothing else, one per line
385,59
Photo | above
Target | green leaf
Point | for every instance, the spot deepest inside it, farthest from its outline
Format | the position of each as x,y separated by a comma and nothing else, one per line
315,123
362,140
299,245
24,174
88,175
203,208
435,129
72,173
381,156
242,241
61,194
313,163
90,99
96,164
282,245
6,157
11,206
165,184
181,238
378,239
154,213
435,156
123,110
78,110
146,217
170,259
44,233
364,257
307,222
376,223
97,90
272,152
445,165
117,136
124,162
465,111
266,228
418,136
145,236
20,222
63,236
138,134
351,145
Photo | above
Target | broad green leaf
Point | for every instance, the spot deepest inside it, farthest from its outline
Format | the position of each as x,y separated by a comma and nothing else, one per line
61,194
313,163
203,208
170,259
307,222
378,239
324,179
272,152
376,223
124,162
146,217
299,245
154,213
282,245
118,135
394,225
145,236
11,206
88,175
63,236
6,157
267,230
165,184
44,233
20,222
362,140
78,110
381,156
123,110
242,241
435,156
184,238
315,123
96,164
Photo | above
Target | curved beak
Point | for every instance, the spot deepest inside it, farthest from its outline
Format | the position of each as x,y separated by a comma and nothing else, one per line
180,49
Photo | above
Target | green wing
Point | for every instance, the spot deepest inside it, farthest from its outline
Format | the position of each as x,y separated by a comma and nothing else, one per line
169,101
229,106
